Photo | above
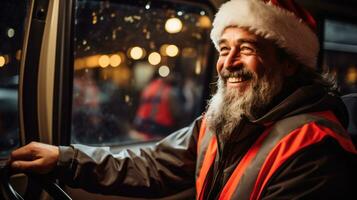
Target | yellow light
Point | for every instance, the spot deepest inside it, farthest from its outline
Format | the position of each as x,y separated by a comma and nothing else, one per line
79,63
2,61
95,19
163,49
92,61
136,53
173,25
104,61
351,77
127,98
154,58
204,22
198,68
172,50
164,71
115,60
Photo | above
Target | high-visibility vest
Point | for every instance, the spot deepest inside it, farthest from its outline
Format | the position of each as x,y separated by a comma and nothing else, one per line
154,105
274,146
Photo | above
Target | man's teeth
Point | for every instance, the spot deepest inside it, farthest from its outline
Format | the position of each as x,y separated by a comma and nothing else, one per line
235,80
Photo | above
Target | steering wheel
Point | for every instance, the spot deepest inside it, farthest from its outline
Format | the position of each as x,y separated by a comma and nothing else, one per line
51,187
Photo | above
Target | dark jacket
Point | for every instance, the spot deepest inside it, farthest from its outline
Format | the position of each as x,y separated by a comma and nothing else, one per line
321,171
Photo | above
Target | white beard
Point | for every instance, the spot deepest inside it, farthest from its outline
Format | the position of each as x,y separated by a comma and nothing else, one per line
226,107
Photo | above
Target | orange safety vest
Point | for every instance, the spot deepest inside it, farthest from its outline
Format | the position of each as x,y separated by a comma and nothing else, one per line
155,104
278,143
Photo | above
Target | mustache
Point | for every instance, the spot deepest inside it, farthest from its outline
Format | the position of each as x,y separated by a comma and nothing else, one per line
237,73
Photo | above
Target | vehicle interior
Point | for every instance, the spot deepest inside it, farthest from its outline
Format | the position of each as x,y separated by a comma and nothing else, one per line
75,71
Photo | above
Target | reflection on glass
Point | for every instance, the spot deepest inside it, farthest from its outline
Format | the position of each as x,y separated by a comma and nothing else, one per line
340,51
12,17
135,69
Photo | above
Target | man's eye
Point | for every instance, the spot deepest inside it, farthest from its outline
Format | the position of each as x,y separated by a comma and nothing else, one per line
247,50
223,51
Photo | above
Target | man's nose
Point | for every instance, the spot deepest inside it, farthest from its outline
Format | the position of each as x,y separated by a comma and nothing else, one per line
233,58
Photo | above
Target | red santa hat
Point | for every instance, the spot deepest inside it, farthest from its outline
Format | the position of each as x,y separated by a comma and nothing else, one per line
283,21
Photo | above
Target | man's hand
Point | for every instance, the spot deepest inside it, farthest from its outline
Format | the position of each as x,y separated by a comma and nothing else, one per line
36,157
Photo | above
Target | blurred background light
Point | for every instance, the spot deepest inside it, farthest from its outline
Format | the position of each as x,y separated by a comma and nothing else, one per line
136,53
2,61
154,58
172,50
92,61
163,49
164,71
10,32
104,61
173,25
204,22
115,60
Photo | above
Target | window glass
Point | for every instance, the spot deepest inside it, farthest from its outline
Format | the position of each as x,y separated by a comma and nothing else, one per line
139,69
12,17
340,53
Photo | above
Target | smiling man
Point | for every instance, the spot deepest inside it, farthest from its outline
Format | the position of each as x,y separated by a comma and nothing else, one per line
250,75
273,130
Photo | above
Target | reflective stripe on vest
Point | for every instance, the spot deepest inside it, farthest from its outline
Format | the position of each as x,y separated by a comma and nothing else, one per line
276,145
209,144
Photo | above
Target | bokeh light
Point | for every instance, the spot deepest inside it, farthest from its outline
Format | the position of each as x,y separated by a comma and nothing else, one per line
173,25
172,50
10,32
115,60
104,61
154,58
164,71
136,53
2,61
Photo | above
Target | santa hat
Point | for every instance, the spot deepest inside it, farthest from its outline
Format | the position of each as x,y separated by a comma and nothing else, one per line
283,21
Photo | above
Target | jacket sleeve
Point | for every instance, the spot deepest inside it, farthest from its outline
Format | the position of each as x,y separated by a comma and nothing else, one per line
165,169
322,171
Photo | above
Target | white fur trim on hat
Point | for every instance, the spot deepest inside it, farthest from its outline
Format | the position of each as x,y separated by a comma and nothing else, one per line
270,22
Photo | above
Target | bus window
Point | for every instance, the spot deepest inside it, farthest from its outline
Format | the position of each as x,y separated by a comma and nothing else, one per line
139,69
340,52
12,18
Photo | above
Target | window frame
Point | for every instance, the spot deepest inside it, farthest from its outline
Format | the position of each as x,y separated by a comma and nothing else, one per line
64,72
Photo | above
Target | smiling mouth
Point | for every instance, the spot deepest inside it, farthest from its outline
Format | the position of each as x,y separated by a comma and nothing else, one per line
236,79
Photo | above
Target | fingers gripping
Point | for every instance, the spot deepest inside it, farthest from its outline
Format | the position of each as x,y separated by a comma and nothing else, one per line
26,165
24,153
37,157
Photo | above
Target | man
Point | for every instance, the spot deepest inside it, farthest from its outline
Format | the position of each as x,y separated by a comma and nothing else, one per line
161,108
273,130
